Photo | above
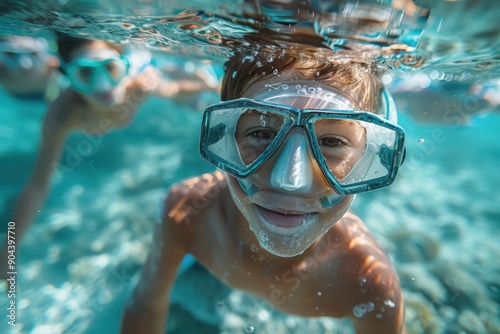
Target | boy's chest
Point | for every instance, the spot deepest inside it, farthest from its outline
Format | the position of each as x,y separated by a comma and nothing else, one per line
104,122
305,287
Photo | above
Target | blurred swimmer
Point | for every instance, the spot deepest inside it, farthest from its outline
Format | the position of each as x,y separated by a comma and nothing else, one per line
27,66
102,97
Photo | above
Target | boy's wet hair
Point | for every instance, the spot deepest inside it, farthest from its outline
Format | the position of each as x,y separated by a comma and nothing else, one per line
67,45
352,77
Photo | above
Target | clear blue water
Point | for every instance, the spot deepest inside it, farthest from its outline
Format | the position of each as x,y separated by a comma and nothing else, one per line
439,221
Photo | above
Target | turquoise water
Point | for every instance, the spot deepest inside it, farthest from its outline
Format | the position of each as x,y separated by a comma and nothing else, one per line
439,221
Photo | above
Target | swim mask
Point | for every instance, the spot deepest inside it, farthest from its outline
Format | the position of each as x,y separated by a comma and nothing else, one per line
25,52
88,75
356,150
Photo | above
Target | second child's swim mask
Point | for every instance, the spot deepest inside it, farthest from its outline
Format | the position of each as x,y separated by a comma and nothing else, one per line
25,53
89,75
356,150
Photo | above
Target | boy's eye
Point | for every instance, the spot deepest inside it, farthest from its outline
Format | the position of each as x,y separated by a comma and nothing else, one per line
10,55
332,142
264,134
84,73
113,70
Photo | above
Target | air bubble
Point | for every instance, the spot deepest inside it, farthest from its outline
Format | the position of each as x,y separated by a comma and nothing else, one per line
249,58
250,329
301,89
389,303
421,140
272,86
360,309
262,120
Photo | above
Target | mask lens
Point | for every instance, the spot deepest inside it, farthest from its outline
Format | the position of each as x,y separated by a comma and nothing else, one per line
116,69
26,59
83,75
255,132
354,151
341,143
237,137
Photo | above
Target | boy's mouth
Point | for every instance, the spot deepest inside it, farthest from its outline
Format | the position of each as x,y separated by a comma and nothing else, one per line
106,96
282,220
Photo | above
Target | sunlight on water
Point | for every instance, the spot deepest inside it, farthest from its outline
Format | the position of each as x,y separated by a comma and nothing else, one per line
397,34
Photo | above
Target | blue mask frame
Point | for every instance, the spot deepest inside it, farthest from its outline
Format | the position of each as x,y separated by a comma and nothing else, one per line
13,59
391,158
94,66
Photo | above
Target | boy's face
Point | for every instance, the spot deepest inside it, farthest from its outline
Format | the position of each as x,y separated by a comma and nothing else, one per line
22,58
98,75
286,221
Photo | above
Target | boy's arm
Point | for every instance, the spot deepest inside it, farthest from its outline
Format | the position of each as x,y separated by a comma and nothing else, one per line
170,88
151,81
381,309
31,198
148,306
370,288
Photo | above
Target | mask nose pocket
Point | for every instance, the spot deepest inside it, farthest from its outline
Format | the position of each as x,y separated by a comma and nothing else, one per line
292,170
26,62
102,82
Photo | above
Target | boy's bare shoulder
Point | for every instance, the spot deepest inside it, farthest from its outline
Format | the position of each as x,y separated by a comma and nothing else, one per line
191,198
362,248
355,232
368,274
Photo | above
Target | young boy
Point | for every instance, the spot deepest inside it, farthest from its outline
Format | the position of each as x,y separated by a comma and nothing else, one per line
102,97
24,57
275,223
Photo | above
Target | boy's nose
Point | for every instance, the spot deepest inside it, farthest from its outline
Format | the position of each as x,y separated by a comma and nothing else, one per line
293,170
